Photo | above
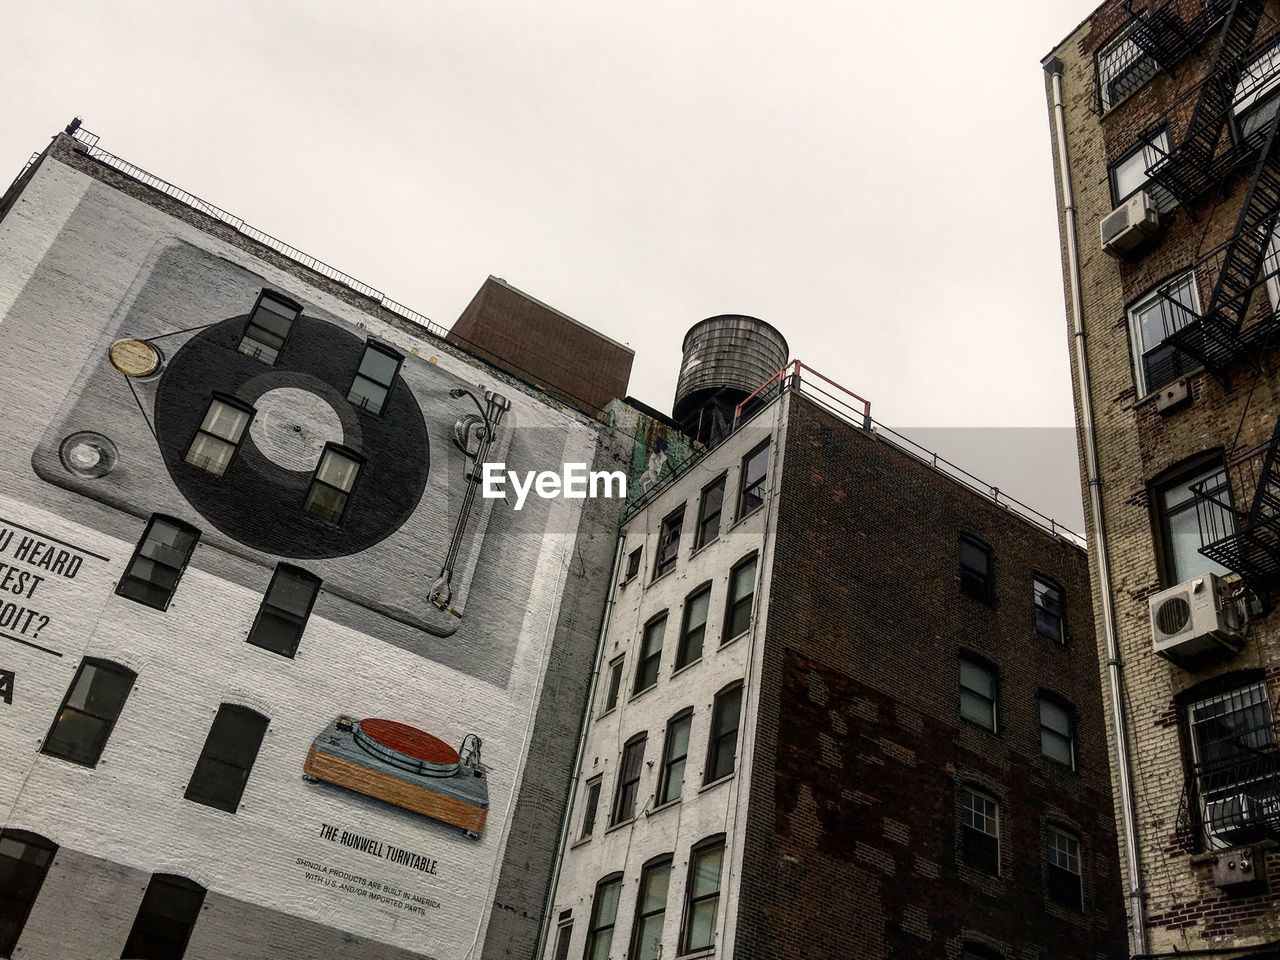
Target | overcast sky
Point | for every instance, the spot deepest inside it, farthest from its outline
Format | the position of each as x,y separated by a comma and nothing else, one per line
873,179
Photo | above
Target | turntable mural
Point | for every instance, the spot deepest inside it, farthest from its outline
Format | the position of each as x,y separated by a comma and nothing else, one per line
297,468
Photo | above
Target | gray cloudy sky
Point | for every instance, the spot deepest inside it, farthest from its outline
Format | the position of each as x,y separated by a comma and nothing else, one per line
873,179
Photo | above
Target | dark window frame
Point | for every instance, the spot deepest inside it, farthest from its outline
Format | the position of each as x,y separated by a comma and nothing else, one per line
1069,710
664,861
972,845
648,656
634,561
390,353
613,687
282,299
626,792
1177,476
270,609
127,574
687,632
1140,353
971,950
690,901
229,401
718,742
594,927
1145,139
11,928
143,943
210,796
670,533
700,533
48,746
1054,889
732,606
985,590
742,511
590,806
1042,579
988,667
349,495
564,937
663,795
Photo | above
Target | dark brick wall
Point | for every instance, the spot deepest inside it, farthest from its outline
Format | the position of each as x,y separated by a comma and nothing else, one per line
852,848
544,347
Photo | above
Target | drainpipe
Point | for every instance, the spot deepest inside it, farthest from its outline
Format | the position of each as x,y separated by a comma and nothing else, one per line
1097,535
566,822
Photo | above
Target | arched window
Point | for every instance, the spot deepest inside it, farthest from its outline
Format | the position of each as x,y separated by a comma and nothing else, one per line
24,862
651,910
229,751
702,895
604,917
89,712
165,919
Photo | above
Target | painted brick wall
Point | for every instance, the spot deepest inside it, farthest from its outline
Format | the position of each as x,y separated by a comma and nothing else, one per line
1136,444
851,846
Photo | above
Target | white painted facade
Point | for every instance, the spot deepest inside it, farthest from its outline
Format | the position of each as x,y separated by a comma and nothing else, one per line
704,809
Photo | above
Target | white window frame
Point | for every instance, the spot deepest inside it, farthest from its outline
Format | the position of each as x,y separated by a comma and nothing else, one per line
1259,82
1185,279
1148,152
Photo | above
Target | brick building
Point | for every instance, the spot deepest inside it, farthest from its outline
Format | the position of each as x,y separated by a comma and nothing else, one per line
845,707
1163,118
274,682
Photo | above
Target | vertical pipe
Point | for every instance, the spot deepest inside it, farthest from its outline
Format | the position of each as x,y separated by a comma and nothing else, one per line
1097,535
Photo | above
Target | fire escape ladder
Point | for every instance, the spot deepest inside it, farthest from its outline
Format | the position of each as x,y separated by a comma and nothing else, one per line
1252,549
1187,172
1215,338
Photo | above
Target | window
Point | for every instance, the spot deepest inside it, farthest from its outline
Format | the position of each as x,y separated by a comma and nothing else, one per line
693,629
978,692
669,543
1188,522
89,712
976,951
590,807
331,486
702,896
228,755
269,326
977,579
979,831
628,789
158,563
742,587
1122,68
564,935
650,653
675,751
1047,599
168,914
1257,95
284,611
24,862
651,910
218,438
1233,747
1057,731
604,915
633,564
723,746
615,683
373,380
709,509
1152,320
1129,173
751,480
1062,850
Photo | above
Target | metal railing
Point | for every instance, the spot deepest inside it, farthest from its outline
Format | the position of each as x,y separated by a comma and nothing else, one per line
89,144
797,377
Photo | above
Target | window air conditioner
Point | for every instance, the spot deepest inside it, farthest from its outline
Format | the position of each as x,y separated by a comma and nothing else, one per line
1194,619
1131,226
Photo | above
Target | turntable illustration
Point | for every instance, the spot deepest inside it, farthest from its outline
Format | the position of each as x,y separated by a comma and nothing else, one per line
282,431
401,765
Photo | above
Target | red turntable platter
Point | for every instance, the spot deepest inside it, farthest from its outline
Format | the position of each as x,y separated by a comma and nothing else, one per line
407,747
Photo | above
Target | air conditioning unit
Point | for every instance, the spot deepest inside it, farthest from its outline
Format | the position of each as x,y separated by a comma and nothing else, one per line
1131,226
1195,619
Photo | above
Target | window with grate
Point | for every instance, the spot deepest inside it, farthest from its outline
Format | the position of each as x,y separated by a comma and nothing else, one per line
1155,317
